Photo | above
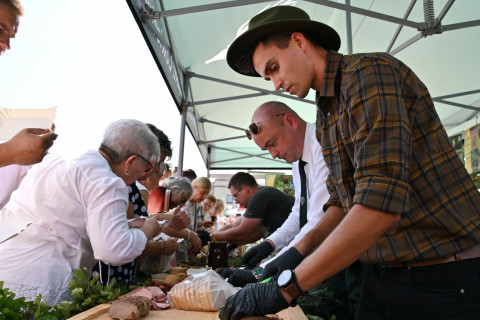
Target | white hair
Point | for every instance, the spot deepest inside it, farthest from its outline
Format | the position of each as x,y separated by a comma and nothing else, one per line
180,184
125,137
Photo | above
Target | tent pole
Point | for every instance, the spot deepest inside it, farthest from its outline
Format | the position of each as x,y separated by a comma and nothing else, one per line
181,150
349,28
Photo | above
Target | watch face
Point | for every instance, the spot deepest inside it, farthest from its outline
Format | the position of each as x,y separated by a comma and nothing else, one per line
257,272
284,278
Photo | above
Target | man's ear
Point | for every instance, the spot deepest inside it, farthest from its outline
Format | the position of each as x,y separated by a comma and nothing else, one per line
298,39
129,162
291,121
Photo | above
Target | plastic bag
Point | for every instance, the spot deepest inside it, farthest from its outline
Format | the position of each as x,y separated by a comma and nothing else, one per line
206,291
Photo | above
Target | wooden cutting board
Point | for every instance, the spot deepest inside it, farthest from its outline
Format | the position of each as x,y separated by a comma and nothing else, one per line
100,312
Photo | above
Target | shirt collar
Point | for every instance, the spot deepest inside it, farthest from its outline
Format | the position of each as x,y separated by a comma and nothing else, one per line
333,63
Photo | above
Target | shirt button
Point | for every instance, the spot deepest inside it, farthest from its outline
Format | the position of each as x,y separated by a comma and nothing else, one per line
328,114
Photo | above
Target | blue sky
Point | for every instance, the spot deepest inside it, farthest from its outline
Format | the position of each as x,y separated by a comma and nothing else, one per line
89,59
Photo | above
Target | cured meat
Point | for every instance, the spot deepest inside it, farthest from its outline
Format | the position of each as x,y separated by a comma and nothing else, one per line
142,303
136,223
129,308
156,297
141,292
164,286
121,310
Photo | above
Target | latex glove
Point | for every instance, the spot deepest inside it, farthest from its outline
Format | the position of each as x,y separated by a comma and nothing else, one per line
257,253
287,260
237,277
204,236
225,272
256,299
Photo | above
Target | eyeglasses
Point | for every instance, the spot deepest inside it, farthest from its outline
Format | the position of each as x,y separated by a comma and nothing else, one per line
253,127
206,204
184,200
236,194
151,165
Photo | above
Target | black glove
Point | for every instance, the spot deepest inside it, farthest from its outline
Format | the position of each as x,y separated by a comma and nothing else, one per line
255,254
225,272
204,236
237,277
256,299
287,260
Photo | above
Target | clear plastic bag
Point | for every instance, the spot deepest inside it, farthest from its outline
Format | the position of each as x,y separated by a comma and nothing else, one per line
206,291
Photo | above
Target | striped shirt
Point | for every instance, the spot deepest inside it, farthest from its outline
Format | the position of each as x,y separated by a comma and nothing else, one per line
386,149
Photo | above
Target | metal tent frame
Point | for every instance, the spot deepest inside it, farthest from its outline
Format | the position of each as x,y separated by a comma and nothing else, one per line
221,140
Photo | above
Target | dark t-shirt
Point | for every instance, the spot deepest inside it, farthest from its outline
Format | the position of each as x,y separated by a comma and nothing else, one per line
271,205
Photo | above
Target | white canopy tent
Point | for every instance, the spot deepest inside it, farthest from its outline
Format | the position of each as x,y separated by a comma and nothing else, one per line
189,39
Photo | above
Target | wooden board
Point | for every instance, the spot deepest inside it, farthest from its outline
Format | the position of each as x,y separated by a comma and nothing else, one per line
100,312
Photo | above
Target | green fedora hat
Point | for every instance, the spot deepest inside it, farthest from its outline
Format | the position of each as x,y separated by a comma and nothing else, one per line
278,19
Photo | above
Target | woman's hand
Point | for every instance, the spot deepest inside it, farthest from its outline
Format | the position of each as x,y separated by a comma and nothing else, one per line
170,246
195,241
151,228
180,220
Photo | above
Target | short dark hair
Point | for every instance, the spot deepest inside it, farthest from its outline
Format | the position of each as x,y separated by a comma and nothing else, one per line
190,174
279,39
240,179
165,143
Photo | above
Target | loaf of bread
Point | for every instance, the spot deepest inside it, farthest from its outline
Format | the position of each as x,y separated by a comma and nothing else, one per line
177,270
172,278
205,291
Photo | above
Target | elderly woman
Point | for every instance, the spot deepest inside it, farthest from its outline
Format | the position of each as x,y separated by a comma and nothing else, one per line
75,210
170,193
201,188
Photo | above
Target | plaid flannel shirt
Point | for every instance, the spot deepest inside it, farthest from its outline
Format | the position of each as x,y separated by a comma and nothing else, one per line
386,149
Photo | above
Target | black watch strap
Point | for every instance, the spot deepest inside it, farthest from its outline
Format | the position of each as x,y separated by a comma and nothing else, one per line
293,289
295,282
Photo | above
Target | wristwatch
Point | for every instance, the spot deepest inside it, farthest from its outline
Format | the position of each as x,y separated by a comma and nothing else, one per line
288,282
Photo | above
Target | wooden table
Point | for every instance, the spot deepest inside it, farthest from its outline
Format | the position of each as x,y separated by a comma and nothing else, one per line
100,312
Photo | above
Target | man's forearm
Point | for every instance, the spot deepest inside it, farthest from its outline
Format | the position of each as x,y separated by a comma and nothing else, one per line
333,216
358,231
231,235
152,247
225,227
237,236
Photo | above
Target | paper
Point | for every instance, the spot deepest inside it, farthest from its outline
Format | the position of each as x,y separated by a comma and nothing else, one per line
13,121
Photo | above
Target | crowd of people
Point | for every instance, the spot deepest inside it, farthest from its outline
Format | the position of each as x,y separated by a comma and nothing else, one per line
373,213
111,210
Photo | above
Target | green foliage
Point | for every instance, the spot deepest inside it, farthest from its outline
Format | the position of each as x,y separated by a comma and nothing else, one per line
237,262
320,304
12,308
86,294
476,179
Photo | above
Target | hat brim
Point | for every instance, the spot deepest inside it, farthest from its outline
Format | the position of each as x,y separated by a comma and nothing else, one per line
327,37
